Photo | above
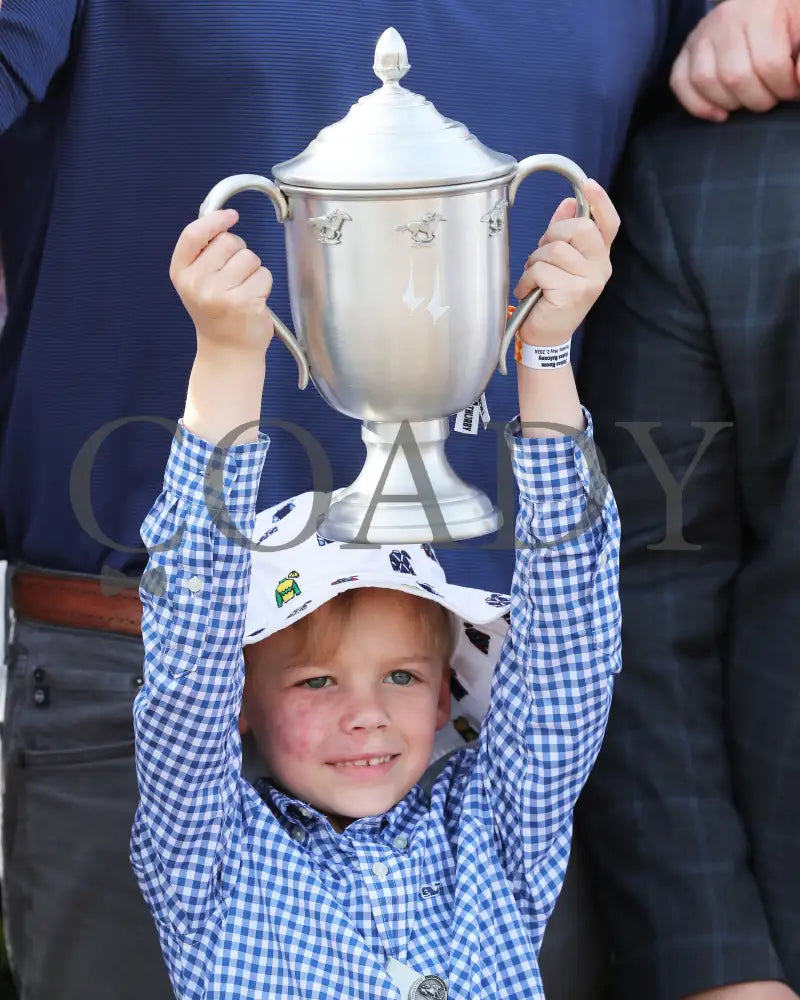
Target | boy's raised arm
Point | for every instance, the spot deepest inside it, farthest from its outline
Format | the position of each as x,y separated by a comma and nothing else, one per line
552,687
195,589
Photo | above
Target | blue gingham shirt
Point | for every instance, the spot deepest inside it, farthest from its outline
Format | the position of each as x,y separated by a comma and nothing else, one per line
253,893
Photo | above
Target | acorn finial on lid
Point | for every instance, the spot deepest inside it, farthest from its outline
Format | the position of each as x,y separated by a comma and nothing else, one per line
391,58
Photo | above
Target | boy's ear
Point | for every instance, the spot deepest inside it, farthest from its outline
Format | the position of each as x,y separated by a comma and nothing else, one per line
244,725
443,703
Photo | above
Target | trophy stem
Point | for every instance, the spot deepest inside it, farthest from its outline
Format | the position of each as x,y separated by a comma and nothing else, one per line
407,491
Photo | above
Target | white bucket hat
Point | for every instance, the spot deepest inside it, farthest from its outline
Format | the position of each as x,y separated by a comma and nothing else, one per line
295,571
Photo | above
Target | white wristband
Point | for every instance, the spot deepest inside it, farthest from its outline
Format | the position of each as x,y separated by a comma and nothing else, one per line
541,358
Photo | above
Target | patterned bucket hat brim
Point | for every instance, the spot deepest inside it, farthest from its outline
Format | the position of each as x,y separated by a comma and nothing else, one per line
295,571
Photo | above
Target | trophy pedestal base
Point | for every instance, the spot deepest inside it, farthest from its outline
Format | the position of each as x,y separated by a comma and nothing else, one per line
407,491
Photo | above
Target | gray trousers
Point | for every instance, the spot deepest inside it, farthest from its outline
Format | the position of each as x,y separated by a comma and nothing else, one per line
76,923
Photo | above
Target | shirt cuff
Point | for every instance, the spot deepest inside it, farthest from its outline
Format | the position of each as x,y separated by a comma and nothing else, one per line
202,473
557,468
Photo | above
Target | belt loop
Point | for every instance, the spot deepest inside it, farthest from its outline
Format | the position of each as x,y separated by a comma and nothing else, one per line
8,623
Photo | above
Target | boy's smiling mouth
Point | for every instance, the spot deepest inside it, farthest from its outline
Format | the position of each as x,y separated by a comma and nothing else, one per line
365,762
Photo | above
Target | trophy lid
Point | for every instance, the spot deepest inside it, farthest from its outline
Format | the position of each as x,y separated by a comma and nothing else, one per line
393,138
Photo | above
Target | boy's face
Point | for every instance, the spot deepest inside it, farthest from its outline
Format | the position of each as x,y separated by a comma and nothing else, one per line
380,695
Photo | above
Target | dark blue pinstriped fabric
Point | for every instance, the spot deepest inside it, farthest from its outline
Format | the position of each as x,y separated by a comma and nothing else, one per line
162,100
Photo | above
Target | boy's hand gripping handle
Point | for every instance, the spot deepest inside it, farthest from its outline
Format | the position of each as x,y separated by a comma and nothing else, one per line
216,198
530,165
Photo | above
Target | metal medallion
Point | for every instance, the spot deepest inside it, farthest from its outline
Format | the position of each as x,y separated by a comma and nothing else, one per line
428,988
329,227
423,231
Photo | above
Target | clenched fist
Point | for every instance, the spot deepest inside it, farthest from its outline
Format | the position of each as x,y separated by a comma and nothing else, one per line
223,285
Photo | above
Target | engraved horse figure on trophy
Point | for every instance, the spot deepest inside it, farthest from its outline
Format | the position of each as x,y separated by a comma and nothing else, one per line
496,218
329,227
423,231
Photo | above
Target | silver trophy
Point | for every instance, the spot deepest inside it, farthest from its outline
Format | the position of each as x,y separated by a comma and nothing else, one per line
396,223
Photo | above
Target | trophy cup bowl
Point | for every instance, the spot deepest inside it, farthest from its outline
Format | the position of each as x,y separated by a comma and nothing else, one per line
396,226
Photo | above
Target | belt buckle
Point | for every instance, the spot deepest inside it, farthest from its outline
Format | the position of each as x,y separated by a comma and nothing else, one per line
428,988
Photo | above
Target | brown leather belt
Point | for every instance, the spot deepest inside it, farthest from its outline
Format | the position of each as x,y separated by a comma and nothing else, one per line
75,602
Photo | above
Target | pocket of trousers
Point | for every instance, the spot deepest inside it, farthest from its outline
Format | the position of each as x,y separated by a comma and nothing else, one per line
64,715
76,756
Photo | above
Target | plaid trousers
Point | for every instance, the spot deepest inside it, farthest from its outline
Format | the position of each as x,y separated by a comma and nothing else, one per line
691,368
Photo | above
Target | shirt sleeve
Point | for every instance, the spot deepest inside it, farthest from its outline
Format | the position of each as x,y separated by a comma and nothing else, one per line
552,687
188,751
35,38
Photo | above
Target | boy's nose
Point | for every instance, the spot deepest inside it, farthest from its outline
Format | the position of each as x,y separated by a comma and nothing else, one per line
364,713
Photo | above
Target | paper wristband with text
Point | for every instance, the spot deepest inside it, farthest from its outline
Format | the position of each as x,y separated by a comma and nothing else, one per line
541,358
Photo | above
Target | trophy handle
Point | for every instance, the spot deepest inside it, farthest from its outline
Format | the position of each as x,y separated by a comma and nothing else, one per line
576,177
216,198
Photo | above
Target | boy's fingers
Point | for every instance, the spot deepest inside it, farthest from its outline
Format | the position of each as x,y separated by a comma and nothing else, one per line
561,255
566,210
216,254
239,268
604,214
257,287
583,234
198,234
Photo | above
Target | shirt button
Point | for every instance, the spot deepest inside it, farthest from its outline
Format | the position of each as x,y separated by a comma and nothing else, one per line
195,584
298,834
306,813
379,869
400,841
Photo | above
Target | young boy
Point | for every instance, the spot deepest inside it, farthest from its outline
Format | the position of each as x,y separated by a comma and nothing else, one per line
339,876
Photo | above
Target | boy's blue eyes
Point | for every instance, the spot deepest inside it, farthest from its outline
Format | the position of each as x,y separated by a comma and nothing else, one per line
400,677
315,683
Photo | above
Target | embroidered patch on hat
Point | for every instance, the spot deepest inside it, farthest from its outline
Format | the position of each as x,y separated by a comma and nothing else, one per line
281,512
400,561
466,728
480,640
288,588
457,689
497,600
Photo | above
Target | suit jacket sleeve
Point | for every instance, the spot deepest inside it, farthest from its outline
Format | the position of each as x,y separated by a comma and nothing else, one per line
659,811
35,38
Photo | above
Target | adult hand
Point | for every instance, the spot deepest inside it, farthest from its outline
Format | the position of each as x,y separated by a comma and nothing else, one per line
770,990
741,55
